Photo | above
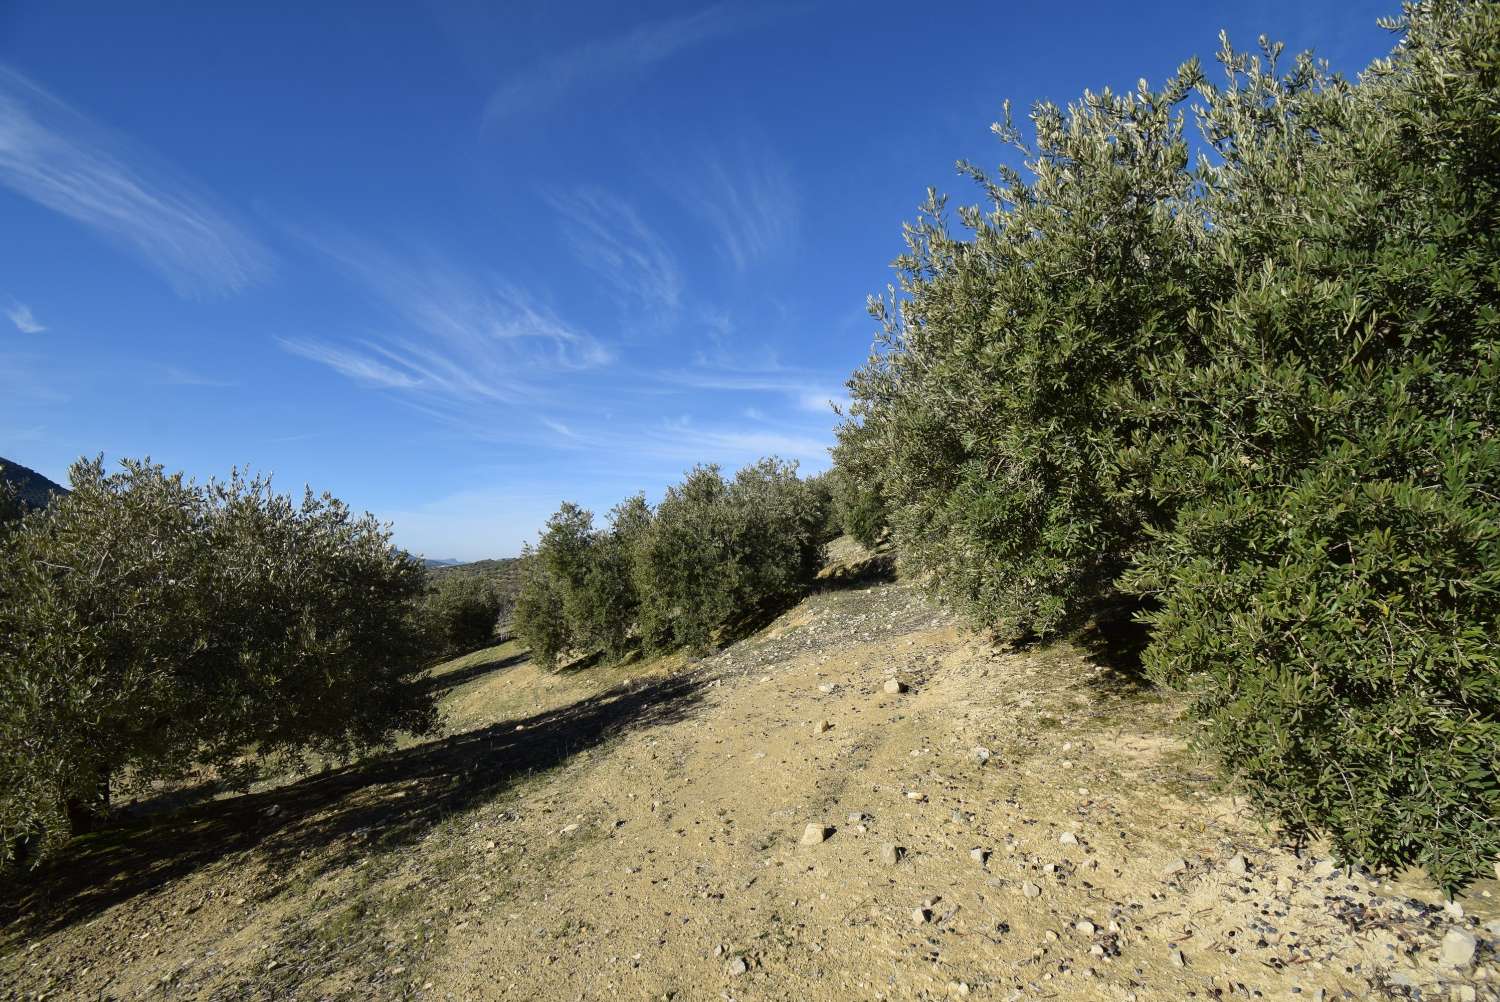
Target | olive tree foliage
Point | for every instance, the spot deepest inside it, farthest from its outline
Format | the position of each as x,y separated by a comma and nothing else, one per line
148,623
590,571
11,509
857,505
538,620
979,420
712,556
1256,390
461,613
719,552
1329,583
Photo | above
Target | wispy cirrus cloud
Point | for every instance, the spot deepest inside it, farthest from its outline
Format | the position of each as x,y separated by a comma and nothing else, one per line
748,200
608,235
58,158
463,337
603,61
20,314
804,389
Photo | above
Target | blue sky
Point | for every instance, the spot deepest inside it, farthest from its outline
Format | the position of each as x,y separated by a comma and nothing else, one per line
459,261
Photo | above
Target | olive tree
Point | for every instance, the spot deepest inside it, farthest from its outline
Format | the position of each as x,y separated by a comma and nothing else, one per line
149,623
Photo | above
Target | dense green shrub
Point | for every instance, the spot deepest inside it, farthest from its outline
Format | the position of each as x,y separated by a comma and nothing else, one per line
981,418
820,492
1257,391
717,554
461,612
683,564
148,623
856,505
538,620
1330,582
591,570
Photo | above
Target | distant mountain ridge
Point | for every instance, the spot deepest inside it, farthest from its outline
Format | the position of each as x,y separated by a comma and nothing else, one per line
33,488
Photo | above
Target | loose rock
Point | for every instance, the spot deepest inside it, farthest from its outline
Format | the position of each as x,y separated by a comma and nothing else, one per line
894,686
1068,838
816,834
1458,949
1031,890
891,854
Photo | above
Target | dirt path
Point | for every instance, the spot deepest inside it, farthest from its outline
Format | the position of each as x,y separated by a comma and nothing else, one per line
1012,825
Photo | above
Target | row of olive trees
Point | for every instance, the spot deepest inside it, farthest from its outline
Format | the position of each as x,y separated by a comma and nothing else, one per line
712,556
1232,350
149,624
463,612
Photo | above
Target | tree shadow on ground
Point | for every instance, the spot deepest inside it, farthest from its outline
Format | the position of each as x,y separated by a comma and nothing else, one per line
335,817
1115,640
876,569
439,684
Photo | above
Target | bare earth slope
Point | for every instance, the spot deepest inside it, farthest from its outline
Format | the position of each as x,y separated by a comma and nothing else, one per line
635,832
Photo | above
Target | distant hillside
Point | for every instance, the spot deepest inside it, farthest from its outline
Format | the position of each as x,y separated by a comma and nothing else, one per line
502,571
33,488
504,574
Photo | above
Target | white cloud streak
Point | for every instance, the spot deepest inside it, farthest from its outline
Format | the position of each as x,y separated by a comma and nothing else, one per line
610,237
56,157
749,201
594,64
464,338
808,393
20,314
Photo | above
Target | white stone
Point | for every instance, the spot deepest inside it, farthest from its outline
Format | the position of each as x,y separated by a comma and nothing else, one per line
1458,949
816,834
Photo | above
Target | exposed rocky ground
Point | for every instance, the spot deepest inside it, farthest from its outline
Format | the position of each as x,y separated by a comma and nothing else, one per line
861,801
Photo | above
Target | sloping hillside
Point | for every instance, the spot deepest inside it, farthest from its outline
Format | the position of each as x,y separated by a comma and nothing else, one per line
33,488
862,801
